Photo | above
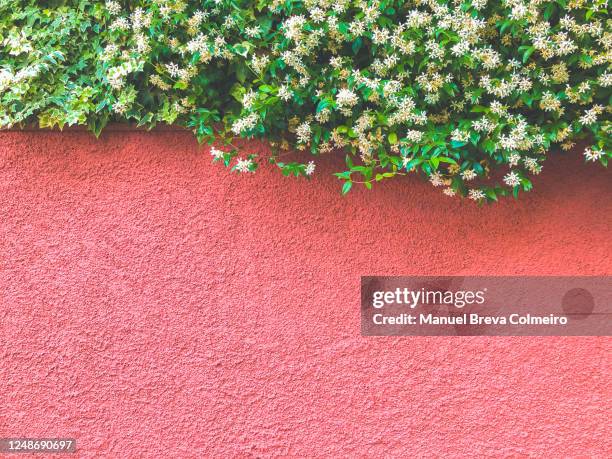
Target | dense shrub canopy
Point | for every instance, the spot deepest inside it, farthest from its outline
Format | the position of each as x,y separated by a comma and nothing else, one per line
470,93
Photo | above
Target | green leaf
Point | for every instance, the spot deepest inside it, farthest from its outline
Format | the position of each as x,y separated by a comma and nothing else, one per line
323,104
528,52
413,163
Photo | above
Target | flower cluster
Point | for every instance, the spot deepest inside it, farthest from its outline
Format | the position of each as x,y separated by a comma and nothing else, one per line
471,94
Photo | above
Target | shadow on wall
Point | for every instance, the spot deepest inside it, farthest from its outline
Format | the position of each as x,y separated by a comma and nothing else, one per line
165,177
564,172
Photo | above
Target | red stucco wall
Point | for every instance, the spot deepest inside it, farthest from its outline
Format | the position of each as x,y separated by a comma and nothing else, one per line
153,305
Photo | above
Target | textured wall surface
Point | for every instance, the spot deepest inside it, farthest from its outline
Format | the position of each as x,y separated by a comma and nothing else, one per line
153,305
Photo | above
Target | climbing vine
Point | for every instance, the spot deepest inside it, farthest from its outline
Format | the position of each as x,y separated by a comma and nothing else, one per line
473,95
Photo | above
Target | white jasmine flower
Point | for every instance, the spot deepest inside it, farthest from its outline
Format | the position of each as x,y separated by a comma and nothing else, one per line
568,145
310,168
244,165
285,93
590,116
436,179
323,116
391,87
120,107
498,108
532,165
357,27
293,27
317,15
513,159
260,63
460,136
346,98
414,136
336,62
380,36
476,195
303,132
6,79
140,19
216,154
550,103
245,124
252,32
468,174
592,154
116,75
173,70
519,11
605,79
461,48
110,51
512,179
248,98
113,7
120,24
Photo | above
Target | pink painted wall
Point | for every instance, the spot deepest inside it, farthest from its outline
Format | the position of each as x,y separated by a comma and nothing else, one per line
152,305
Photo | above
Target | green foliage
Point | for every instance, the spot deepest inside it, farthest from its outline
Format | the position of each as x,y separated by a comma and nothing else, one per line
471,94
